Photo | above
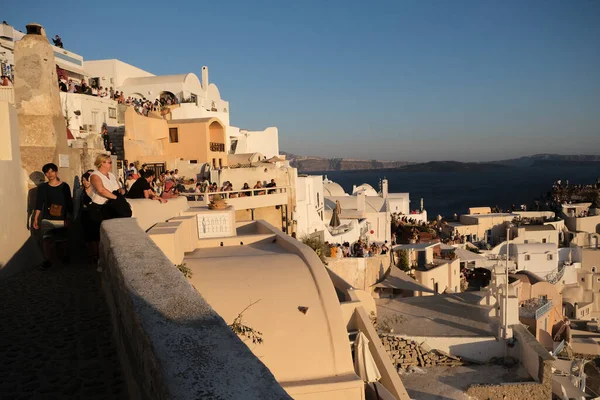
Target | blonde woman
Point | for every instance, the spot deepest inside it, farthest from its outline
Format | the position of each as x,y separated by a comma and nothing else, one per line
103,181
103,184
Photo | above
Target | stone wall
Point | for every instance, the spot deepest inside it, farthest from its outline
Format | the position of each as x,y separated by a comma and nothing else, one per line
361,273
538,363
173,345
526,390
405,353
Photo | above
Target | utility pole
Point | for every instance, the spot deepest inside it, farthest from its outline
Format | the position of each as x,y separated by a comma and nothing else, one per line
505,333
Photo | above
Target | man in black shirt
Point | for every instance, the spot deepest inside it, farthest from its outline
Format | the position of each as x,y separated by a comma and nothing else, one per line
53,212
58,41
142,188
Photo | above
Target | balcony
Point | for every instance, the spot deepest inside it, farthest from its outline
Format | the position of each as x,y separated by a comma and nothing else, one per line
7,94
535,308
246,199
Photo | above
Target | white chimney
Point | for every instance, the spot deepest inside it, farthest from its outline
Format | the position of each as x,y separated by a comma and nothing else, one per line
205,78
384,188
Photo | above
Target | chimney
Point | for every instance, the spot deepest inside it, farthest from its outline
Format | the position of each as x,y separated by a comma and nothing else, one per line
205,78
384,188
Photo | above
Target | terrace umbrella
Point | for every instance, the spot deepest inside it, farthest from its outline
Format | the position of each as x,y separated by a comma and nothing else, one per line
364,364
335,218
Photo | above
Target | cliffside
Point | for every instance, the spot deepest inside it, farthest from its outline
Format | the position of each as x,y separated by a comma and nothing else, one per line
311,164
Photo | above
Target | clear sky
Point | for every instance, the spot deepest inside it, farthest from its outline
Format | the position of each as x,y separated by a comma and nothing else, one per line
398,80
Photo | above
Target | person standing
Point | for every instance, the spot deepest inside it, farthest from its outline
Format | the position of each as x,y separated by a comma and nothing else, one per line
58,41
90,227
53,213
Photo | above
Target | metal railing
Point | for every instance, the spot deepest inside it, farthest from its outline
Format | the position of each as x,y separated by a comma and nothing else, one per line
535,308
543,309
556,275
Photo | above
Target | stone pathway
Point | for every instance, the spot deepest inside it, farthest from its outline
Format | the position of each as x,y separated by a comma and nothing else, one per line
55,337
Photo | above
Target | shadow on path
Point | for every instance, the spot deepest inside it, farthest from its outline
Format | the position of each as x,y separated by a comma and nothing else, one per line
55,335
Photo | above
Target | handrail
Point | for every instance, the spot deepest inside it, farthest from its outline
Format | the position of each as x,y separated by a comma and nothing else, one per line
555,275
543,309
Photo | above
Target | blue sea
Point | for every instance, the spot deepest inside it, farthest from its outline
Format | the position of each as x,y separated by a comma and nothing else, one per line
446,193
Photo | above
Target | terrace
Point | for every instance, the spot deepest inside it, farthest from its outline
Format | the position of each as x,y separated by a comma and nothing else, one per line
534,308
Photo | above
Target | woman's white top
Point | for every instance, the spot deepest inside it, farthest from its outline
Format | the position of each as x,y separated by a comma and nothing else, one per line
111,184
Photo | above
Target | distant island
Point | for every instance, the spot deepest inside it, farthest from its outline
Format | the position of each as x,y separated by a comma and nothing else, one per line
314,164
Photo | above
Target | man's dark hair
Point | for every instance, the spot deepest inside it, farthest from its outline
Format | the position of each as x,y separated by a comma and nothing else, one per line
149,173
48,167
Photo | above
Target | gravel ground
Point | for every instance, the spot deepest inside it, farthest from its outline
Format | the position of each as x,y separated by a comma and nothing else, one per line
446,383
55,336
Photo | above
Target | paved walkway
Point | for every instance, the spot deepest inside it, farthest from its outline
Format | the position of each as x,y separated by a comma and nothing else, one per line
55,337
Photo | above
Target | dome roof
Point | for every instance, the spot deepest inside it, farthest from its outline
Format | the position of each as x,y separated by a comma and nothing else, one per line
331,188
366,189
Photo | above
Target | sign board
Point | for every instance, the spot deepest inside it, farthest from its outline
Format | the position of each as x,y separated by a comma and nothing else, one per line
213,224
63,161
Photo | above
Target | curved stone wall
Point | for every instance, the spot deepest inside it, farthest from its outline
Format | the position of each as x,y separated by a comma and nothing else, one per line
173,345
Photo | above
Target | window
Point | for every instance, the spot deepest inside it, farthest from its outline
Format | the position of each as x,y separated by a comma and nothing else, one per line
544,240
549,257
112,113
218,147
174,135
214,163
527,257
594,269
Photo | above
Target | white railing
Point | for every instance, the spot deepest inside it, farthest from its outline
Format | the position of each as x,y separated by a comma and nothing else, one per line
7,94
249,198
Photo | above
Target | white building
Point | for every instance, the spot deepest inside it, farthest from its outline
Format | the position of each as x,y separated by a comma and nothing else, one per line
196,99
309,212
70,62
538,258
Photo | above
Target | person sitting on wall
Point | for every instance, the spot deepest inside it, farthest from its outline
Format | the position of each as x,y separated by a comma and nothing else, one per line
58,41
142,188
245,187
130,181
53,209
259,186
170,191
272,184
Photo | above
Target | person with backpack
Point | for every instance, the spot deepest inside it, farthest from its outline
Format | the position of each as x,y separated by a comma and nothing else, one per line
53,214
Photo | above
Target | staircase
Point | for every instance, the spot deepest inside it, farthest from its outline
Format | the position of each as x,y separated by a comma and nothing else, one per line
556,275
116,137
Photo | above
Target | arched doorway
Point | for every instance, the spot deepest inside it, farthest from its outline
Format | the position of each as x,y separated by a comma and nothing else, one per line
167,98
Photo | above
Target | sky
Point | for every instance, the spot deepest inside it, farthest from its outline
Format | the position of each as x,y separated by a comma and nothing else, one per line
390,80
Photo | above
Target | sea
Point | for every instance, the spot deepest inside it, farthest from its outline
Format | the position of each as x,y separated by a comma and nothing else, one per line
446,193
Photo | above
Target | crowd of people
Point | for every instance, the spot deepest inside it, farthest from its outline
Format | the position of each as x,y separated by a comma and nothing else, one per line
358,249
102,198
